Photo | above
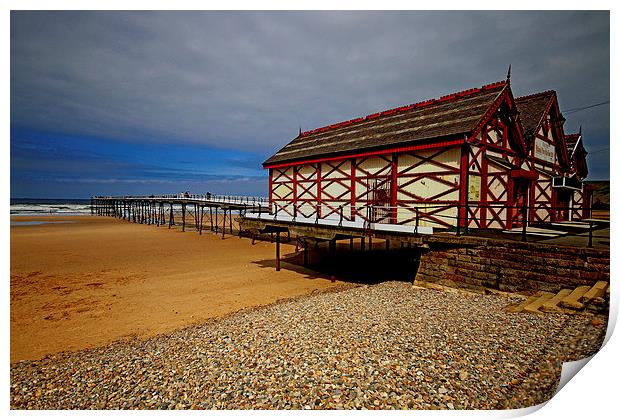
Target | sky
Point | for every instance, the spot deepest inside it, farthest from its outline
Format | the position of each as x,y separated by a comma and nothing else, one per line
162,102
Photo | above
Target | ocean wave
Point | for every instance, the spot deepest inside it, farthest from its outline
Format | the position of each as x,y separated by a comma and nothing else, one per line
55,209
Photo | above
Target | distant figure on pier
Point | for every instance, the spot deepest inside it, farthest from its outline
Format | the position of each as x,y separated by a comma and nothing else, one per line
208,195
186,194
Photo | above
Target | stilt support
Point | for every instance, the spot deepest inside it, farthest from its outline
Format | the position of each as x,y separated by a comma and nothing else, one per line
278,251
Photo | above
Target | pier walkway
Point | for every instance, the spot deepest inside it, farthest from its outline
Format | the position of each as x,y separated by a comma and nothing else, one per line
161,209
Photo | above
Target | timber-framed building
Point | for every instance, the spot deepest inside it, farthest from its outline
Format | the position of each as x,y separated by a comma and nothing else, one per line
478,158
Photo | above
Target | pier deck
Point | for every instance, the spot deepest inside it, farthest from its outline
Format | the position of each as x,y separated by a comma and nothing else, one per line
162,209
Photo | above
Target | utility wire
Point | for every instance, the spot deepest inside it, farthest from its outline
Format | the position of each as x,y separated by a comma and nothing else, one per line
598,150
573,110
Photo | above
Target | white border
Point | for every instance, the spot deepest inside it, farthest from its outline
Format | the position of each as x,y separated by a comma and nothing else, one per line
591,395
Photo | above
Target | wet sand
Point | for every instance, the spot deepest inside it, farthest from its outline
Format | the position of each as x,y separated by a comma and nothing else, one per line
97,279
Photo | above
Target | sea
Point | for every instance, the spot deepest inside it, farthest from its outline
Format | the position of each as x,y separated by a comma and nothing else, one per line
49,207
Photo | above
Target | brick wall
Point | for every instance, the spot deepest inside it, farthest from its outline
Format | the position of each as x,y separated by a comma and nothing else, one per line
512,266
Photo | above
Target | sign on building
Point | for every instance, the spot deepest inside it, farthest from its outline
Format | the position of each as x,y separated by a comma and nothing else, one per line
544,151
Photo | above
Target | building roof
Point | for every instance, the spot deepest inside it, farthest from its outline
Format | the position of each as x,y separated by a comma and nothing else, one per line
532,110
454,114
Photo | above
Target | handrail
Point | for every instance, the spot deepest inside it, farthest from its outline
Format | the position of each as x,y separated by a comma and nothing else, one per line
442,216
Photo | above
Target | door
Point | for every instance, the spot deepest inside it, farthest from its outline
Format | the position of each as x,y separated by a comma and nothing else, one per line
562,204
519,199
379,201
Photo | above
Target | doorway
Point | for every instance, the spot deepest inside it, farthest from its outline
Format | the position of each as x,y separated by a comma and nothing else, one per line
563,200
520,188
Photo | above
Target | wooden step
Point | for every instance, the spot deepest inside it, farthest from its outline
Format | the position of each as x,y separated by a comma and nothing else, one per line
552,304
596,291
572,301
533,308
520,306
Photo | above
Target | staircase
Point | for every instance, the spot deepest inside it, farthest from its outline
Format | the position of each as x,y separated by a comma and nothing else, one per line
567,301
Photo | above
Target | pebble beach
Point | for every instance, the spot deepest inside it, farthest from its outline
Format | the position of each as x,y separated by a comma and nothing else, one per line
386,346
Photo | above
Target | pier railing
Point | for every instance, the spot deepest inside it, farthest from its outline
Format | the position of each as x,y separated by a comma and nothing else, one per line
417,218
213,198
539,220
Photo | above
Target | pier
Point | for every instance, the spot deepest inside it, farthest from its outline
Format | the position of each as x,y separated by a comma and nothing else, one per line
179,209
473,258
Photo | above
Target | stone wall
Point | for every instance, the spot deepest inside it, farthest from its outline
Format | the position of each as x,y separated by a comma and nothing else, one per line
512,266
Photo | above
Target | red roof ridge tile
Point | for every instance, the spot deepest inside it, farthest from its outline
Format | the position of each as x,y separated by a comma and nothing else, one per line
445,98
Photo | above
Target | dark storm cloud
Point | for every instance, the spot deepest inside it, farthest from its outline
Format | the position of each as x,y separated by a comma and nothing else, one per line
247,81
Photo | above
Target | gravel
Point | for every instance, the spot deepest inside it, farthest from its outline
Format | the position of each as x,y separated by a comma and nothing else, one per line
385,346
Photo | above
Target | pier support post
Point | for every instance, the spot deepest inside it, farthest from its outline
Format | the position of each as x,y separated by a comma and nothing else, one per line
224,224
230,220
197,217
332,247
370,243
183,215
351,244
305,253
363,244
278,251
387,245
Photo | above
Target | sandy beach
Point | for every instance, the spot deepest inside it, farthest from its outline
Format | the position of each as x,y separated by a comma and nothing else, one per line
91,280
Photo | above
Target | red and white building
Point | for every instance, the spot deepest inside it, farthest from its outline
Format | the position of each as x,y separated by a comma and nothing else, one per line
476,158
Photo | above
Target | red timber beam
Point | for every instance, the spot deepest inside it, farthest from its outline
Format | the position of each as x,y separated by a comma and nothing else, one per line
532,216
484,188
295,194
394,188
463,187
522,173
318,189
270,189
353,187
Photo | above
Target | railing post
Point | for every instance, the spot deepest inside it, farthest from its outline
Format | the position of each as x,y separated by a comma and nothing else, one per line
590,235
466,227
340,223
417,219
524,223
318,208
458,219
294,211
